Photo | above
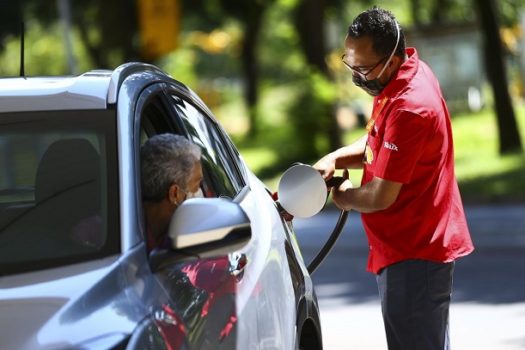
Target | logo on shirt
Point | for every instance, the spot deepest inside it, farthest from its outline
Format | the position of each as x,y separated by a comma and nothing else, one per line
390,146
369,154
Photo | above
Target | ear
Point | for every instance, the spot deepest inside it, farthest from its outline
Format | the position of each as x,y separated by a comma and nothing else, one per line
396,62
173,194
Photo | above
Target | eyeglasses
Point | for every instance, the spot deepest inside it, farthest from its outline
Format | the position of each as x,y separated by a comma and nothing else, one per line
358,71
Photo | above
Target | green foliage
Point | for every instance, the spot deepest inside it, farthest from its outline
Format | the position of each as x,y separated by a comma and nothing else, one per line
409,12
297,116
400,9
484,175
311,115
510,10
44,52
279,53
181,65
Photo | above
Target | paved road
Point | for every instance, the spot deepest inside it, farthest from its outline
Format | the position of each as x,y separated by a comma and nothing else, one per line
488,308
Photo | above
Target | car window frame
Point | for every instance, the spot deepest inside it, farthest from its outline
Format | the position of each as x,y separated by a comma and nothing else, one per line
231,152
157,90
164,92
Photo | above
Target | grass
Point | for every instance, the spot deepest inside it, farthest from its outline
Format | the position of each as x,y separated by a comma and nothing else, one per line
483,174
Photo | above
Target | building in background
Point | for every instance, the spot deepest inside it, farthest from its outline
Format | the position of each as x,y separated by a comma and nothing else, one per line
455,54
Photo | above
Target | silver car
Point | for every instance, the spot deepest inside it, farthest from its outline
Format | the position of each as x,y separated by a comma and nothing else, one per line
75,271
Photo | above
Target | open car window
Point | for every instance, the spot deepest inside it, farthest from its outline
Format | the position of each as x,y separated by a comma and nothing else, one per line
221,176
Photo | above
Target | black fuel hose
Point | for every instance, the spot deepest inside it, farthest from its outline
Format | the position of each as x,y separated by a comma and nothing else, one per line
336,232
325,250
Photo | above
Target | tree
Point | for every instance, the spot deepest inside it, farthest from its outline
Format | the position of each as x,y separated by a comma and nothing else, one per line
310,19
250,15
436,12
509,138
107,28
439,12
113,40
10,18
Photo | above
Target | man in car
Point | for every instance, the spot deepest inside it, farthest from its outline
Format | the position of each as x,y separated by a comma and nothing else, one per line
171,172
409,198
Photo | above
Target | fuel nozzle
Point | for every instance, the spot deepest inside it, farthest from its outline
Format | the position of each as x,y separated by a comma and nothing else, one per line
303,193
335,181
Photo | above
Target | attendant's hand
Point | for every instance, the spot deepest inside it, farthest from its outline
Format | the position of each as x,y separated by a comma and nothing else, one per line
326,166
340,194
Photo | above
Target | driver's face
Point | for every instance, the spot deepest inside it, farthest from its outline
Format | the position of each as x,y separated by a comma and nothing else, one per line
195,179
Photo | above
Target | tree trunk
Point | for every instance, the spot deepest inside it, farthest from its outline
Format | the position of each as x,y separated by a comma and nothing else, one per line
415,10
509,138
310,20
250,65
93,51
310,27
440,9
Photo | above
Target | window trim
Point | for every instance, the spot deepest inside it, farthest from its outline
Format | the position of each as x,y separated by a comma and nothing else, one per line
234,157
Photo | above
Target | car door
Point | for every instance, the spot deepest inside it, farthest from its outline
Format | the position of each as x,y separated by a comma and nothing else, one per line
198,301
265,301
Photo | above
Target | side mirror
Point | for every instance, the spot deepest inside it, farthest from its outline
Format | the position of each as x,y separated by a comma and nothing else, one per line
202,225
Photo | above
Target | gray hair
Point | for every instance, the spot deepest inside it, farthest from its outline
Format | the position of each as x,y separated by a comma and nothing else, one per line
166,159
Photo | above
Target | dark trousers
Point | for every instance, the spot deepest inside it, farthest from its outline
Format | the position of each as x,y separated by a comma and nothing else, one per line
415,299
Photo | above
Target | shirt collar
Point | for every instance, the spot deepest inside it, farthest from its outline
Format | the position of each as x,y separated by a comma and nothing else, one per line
403,76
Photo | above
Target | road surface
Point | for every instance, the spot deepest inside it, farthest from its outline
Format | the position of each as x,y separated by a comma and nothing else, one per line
488,307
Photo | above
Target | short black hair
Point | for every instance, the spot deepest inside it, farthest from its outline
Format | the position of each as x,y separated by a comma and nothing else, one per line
380,25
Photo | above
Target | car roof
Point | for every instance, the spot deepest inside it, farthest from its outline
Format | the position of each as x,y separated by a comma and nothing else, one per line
86,91
95,89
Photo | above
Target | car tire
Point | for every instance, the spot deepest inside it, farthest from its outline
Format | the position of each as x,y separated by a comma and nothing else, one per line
308,336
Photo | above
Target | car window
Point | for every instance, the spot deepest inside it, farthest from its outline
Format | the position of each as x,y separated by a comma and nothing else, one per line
155,117
58,188
221,176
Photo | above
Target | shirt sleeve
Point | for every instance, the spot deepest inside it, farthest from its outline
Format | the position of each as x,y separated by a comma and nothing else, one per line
404,141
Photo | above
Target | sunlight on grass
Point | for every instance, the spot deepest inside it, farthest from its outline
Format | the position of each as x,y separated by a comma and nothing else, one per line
484,174
259,157
476,135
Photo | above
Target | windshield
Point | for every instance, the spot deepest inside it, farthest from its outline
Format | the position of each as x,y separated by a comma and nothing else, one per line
58,188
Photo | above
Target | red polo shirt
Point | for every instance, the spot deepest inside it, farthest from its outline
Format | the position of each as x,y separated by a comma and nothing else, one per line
411,142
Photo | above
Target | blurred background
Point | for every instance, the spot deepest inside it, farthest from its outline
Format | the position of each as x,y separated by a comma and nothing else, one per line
271,71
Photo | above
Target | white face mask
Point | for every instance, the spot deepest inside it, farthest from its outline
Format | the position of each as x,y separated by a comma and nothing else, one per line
189,195
197,194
